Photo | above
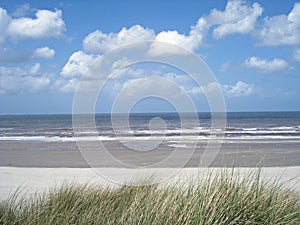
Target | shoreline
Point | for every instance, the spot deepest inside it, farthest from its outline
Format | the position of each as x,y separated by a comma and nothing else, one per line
36,180
57,155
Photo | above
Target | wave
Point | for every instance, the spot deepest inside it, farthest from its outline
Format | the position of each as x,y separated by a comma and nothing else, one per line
6,128
188,138
190,134
54,138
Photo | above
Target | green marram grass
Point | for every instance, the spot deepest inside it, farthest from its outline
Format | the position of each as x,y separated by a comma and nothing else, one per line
224,198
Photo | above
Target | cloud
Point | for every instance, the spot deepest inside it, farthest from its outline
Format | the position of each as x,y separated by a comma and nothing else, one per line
77,64
238,17
192,41
46,24
121,63
66,85
208,89
239,89
265,65
282,29
35,70
99,42
19,80
44,52
296,55
5,20
11,56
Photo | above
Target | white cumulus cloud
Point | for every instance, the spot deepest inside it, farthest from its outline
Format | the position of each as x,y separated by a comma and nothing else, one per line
192,41
77,64
239,89
238,17
46,24
282,29
44,52
99,42
265,65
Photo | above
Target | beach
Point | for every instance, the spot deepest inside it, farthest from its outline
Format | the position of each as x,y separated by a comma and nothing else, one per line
40,151
43,154
36,167
150,112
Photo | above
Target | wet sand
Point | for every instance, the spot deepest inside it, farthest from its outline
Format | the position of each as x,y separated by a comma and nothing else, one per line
56,155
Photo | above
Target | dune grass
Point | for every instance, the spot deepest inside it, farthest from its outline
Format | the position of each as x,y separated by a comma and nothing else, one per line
224,198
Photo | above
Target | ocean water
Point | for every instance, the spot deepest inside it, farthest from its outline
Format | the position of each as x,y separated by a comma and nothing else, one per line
262,127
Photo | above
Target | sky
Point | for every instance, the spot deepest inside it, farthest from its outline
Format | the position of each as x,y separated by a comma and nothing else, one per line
251,47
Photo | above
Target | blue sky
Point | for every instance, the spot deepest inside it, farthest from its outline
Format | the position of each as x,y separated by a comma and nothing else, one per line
252,47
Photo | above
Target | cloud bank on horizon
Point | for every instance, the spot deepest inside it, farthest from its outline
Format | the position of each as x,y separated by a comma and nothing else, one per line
36,70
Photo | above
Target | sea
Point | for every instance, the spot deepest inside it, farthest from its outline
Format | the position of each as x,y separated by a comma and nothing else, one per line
151,140
266,127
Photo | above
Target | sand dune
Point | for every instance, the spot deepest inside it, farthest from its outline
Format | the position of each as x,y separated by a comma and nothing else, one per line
31,180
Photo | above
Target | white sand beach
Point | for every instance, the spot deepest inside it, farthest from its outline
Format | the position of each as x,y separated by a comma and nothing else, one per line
30,180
